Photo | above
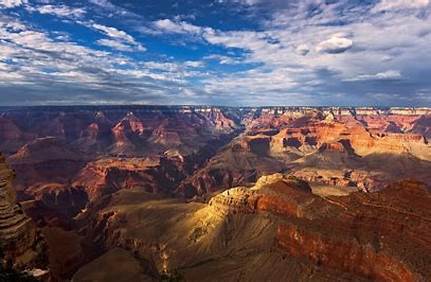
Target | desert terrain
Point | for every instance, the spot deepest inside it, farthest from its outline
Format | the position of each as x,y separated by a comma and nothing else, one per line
192,193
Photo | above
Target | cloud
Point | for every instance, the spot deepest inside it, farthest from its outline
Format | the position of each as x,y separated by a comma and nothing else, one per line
335,45
114,44
387,75
12,3
302,49
169,26
107,8
35,68
193,64
114,33
120,40
281,58
385,5
247,40
59,10
247,2
223,60
256,81
271,70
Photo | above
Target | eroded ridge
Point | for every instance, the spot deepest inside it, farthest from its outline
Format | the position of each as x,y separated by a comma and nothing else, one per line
20,241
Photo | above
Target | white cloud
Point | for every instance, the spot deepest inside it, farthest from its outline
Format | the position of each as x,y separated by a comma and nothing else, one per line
280,60
334,27
254,81
193,64
248,40
44,65
302,49
114,33
224,60
11,3
60,10
169,26
120,40
387,75
247,2
385,5
334,45
114,44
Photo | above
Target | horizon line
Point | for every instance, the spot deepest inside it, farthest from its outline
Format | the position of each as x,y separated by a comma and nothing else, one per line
212,105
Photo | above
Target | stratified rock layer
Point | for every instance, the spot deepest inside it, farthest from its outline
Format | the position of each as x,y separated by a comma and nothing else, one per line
19,238
276,230
157,182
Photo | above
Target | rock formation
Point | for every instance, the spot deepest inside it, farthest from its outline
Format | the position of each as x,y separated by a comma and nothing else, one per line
21,243
376,235
252,193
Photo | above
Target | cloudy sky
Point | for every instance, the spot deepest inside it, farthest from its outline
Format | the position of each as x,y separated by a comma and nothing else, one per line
220,52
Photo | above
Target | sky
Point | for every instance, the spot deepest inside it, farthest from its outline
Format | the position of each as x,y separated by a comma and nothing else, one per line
218,52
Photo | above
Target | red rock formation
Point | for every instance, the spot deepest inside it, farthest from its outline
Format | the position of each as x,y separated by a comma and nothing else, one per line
422,126
11,137
348,256
55,204
376,235
9,131
166,136
44,161
181,151
109,175
20,241
369,237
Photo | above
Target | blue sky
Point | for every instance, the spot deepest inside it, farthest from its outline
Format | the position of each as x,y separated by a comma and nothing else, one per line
220,52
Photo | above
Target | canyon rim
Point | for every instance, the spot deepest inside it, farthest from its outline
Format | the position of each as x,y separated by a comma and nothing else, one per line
215,140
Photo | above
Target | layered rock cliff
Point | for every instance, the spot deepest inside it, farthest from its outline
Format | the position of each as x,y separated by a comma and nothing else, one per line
276,229
157,182
21,243
374,235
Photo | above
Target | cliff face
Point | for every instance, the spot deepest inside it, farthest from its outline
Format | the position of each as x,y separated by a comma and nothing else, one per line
325,146
375,235
157,181
57,145
276,229
21,243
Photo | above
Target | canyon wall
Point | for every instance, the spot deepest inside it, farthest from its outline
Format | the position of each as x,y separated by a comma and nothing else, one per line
21,244
252,193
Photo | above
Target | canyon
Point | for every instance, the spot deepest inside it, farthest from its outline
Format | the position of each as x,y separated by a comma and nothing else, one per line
216,193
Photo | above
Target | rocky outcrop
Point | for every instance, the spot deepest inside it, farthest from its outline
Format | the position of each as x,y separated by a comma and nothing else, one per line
349,255
11,136
356,179
274,139
128,135
166,136
109,175
376,236
266,195
45,161
55,204
234,201
121,167
21,243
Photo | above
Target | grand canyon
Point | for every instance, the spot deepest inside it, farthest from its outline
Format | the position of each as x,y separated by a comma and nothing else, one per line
203,193
215,140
